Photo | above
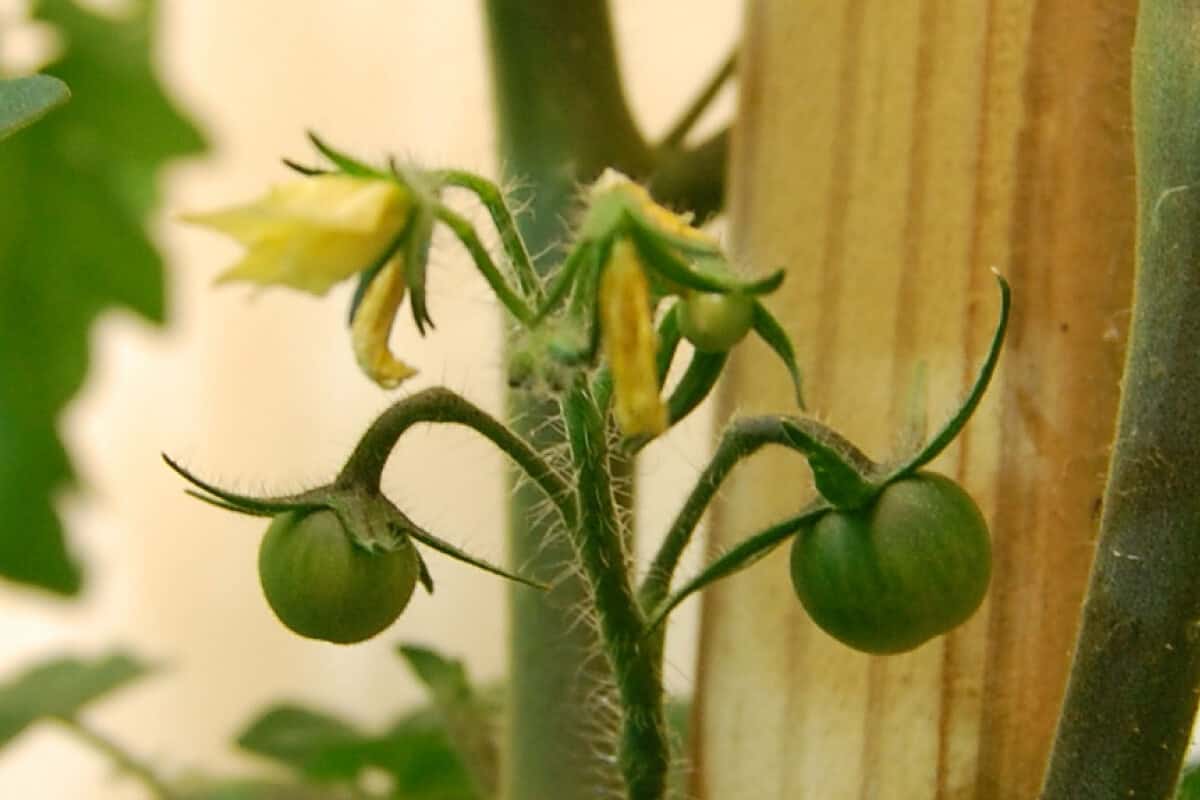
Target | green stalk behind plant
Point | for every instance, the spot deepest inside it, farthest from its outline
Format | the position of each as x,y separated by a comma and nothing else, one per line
1132,697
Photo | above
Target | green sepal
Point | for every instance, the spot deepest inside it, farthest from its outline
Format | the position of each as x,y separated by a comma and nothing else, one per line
225,505
424,575
371,272
416,264
737,558
459,554
23,101
583,313
771,332
345,163
677,273
306,171
582,254
695,385
245,504
950,429
843,475
669,337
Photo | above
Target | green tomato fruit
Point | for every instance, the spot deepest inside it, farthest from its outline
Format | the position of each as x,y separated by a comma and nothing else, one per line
714,322
910,566
323,585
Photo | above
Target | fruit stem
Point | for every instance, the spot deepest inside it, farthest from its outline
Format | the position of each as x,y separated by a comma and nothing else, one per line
502,217
364,468
741,439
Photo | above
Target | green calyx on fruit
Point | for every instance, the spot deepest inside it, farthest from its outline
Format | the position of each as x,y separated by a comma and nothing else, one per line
323,585
885,578
337,562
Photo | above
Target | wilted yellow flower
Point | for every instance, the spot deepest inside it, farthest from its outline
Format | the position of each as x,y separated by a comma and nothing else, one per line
636,197
373,325
312,233
630,343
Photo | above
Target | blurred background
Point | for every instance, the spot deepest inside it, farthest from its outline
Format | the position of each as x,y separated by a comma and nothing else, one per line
259,391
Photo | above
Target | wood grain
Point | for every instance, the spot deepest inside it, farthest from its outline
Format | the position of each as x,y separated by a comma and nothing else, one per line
888,154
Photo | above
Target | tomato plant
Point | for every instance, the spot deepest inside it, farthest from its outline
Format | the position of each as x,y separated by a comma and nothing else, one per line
885,578
323,585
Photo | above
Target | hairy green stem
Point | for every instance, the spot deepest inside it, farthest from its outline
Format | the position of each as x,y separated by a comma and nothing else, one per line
1132,694
562,118
510,237
124,761
438,404
466,234
741,439
644,753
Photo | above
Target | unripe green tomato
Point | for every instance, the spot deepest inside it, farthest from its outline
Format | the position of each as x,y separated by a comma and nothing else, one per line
912,565
714,322
323,585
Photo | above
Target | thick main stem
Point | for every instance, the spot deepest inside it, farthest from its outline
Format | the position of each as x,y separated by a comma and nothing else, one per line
644,751
561,120
1132,695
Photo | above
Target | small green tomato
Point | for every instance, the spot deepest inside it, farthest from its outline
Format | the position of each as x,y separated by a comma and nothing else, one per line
323,585
912,565
715,322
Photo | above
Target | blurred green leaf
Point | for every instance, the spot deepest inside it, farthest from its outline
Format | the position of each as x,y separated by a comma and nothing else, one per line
311,743
469,721
1189,786
416,751
23,101
255,789
74,194
60,688
419,754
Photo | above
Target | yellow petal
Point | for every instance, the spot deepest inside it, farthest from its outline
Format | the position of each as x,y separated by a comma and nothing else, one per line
373,325
312,233
667,221
630,343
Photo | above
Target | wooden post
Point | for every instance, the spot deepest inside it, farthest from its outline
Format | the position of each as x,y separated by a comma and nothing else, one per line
888,154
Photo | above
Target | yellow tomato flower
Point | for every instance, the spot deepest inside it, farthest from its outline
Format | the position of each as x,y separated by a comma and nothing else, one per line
373,325
312,233
630,343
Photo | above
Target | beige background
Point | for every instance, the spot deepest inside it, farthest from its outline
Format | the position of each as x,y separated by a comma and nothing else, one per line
260,391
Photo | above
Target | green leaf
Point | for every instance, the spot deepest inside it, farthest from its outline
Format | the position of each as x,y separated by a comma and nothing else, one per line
60,687
470,722
254,789
23,101
312,743
418,753
1189,785
74,194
